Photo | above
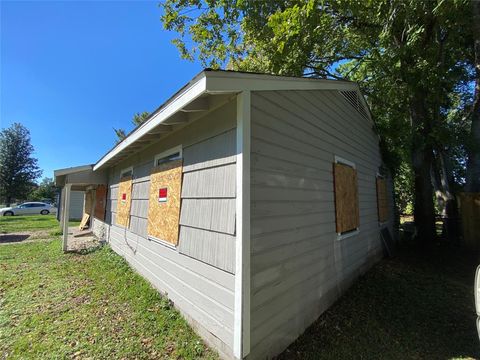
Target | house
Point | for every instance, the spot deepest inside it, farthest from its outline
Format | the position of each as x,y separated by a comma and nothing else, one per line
252,201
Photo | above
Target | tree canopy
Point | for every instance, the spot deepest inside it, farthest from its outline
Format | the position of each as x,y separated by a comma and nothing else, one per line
18,168
414,60
46,190
137,120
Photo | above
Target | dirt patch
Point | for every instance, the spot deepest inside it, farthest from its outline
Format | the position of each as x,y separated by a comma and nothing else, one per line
24,236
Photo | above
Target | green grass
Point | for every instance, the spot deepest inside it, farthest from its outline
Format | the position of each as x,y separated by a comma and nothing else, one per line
410,307
47,223
55,305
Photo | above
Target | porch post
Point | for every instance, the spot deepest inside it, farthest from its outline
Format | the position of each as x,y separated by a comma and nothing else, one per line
66,215
61,207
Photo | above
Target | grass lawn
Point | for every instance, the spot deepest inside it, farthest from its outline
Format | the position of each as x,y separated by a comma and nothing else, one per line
46,223
409,307
55,305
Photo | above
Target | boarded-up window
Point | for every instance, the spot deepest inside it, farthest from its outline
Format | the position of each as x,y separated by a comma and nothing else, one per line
164,201
100,202
382,199
124,201
346,198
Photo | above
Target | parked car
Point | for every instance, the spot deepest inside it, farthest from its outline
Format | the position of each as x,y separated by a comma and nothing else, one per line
29,208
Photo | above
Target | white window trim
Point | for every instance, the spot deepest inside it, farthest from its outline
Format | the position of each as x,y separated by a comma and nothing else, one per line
346,235
168,152
356,231
343,161
162,242
130,168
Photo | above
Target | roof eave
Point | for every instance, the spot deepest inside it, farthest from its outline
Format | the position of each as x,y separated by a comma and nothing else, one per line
214,82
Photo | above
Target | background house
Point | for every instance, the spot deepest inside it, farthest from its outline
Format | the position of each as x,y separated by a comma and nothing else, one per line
252,201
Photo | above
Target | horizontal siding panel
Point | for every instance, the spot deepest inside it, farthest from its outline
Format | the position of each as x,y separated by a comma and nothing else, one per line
274,164
141,172
215,182
270,240
290,181
213,248
218,150
209,214
218,284
308,125
260,193
282,208
316,148
216,319
269,224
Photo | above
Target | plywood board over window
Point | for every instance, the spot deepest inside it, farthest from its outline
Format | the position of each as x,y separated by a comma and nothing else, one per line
124,201
100,202
346,198
164,201
382,199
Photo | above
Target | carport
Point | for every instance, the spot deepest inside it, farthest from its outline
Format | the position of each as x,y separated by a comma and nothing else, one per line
85,179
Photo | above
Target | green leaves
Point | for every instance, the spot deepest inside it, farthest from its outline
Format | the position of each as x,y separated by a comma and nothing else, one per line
18,168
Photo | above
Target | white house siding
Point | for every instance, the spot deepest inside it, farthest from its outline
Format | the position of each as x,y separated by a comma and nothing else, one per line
298,265
201,284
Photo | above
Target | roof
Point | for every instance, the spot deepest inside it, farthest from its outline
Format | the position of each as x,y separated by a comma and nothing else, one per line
204,92
72,170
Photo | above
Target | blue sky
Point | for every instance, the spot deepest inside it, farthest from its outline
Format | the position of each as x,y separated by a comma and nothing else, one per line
72,71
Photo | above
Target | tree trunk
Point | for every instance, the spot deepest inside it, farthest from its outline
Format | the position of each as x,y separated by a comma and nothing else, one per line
422,156
8,201
473,165
443,184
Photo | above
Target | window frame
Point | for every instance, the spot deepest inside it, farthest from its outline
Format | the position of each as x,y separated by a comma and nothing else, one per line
176,149
128,169
356,231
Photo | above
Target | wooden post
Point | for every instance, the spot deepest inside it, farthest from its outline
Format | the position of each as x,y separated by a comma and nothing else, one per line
66,215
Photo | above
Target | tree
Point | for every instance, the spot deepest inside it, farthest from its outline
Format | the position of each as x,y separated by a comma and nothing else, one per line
137,120
473,166
408,57
18,168
46,190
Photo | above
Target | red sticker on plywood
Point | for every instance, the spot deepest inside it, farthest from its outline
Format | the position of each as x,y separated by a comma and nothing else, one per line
162,194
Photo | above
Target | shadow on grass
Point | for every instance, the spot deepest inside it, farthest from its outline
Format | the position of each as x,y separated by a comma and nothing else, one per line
412,306
12,238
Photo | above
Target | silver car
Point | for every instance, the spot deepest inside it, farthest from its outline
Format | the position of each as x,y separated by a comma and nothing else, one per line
29,208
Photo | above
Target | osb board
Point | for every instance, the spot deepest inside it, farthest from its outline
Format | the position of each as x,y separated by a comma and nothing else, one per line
382,199
469,204
163,217
100,202
123,205
87,205
84,222
346,198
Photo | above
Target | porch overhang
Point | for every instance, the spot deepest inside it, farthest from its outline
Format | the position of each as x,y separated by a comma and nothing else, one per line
79,177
